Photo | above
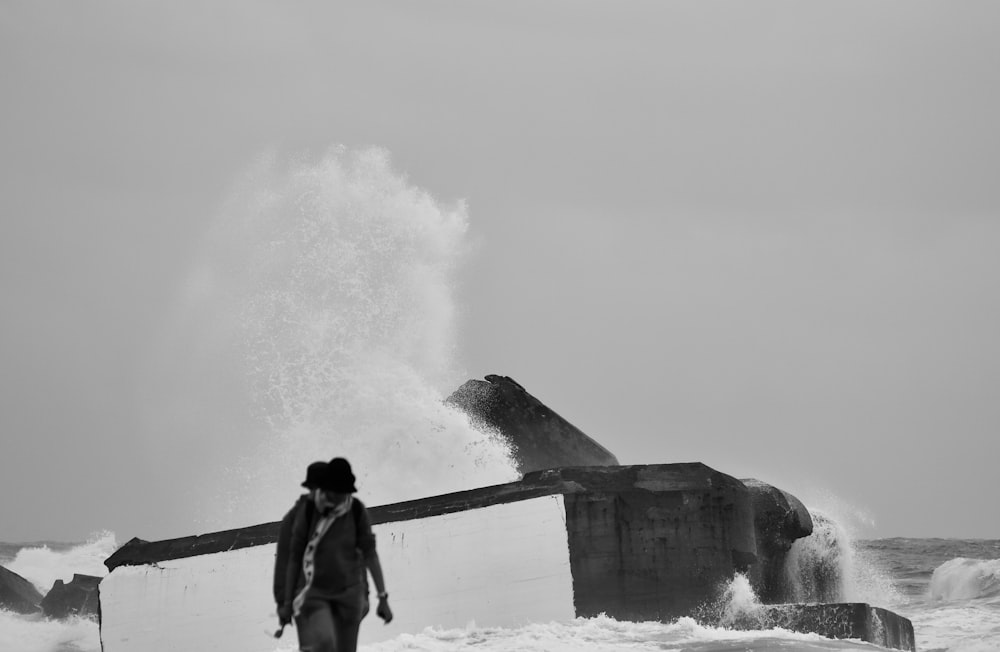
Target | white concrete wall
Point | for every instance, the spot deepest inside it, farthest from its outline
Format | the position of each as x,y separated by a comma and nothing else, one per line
501,565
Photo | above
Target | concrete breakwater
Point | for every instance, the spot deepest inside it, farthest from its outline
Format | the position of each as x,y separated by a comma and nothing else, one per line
578,535
647,542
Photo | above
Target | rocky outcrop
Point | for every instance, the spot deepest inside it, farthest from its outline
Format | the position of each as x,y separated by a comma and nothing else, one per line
539,438
779,519
18,594
80,597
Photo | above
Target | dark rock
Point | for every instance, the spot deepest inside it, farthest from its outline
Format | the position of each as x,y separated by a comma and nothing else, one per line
78,598
539,438
779,519
18,594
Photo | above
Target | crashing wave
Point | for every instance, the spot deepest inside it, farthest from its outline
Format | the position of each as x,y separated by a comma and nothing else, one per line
966,579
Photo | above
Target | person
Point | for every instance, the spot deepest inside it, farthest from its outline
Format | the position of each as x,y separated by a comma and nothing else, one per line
331,550
313,474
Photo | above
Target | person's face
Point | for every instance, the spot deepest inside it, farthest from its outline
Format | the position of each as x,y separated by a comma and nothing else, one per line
334,497
325,498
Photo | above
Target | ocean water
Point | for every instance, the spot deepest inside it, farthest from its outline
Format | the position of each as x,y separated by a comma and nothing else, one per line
322,300
949,588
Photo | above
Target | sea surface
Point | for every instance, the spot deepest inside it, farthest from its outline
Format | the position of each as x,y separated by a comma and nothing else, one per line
949,588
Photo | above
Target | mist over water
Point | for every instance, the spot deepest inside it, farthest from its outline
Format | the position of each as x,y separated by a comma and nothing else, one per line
324,293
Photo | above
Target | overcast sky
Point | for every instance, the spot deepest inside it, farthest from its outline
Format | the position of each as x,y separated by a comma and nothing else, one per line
761,235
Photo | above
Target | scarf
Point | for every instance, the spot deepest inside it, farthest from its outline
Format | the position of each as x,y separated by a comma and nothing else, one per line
309,558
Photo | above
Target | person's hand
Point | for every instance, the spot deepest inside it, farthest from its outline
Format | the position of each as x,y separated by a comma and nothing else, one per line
383,610
284,614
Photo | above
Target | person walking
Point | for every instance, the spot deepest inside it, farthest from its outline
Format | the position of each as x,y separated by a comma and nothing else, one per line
331,551
313,474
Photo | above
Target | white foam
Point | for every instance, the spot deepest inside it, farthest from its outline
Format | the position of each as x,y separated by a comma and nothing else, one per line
36,634
42,566
740,602
957,627
600,634
966,579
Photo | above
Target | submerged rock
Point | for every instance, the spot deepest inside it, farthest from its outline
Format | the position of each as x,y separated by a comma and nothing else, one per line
78,598
18,594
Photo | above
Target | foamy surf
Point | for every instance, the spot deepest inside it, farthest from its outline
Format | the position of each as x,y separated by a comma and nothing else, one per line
966,579
42,565
37,634
604,634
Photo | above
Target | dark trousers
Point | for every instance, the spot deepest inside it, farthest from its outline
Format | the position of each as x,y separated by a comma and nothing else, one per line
326,626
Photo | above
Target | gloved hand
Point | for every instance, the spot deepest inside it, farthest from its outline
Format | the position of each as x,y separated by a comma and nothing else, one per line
383,610
284,614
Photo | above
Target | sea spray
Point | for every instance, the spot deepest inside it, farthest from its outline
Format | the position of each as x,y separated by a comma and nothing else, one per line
331,281
736,607
828,566
817,567
965,579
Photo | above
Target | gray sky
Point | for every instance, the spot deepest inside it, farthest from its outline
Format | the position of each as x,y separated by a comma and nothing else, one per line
759,235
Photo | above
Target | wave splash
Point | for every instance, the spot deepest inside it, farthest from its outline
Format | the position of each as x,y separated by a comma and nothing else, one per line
43,564
827,566
335,280
966,579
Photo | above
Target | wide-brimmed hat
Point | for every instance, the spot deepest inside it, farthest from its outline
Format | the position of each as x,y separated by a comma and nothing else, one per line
338,477
314,475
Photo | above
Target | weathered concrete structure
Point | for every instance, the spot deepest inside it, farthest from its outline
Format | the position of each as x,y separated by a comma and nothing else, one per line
648,542
579,535
853,620
658,541
638,542
79,597
539,438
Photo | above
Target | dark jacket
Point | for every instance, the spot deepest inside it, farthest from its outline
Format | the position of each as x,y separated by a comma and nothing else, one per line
341,558
284,542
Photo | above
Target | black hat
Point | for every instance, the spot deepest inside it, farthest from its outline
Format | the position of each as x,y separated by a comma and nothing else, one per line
338,477
314,475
